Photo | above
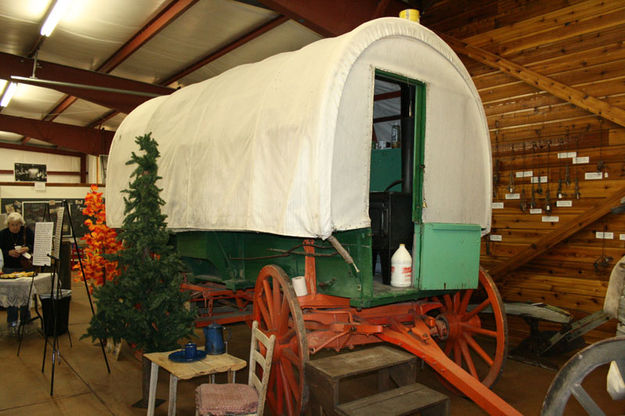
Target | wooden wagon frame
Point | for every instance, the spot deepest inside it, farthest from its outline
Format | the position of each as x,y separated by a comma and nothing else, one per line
268,173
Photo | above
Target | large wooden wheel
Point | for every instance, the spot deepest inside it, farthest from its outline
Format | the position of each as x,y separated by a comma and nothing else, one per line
468,339
570,381
278,312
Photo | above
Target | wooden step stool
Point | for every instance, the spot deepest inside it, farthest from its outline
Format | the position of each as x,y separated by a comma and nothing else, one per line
393,368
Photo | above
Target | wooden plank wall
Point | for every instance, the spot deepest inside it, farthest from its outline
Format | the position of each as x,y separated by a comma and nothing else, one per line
581,44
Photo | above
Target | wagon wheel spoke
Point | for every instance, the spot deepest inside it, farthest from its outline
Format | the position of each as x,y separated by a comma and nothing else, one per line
468,339
479,350
278,312
467,358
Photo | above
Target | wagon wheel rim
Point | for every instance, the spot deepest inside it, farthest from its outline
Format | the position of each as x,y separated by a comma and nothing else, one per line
568,384
465,325
278,313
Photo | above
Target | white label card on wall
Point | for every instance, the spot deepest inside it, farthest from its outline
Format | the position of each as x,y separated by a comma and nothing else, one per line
581,160
604,235
551,218
536,179
524,174
536,210
593,176
497,205
564,203
566,155
621,236
513,196
495,237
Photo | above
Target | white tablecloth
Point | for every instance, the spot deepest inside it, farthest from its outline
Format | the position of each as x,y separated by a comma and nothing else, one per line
14,292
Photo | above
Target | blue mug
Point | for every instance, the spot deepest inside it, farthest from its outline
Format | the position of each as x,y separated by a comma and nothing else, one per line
190,351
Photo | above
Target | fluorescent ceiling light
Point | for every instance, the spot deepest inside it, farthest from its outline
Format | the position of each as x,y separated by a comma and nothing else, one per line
3,82
55,15
8,94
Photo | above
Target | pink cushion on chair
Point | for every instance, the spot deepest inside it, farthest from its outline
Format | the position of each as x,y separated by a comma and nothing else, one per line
225,399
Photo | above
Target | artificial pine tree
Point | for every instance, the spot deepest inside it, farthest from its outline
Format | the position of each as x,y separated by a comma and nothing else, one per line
144,304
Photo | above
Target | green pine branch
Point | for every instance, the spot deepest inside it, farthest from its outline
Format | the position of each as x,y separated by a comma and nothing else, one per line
144,304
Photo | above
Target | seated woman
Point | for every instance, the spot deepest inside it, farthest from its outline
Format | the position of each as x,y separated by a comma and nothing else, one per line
15,241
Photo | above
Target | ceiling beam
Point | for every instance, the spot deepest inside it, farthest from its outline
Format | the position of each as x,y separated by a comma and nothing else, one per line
334,17
253,34
560,90
226,49
13,65
168,14
39,149
552,239
80,139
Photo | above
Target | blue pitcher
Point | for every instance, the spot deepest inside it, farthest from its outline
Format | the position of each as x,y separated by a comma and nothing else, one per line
214,334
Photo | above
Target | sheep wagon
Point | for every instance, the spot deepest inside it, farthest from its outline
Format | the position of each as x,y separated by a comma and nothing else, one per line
275,171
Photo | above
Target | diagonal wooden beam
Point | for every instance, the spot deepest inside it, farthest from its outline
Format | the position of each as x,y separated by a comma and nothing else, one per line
264,28
560,90
564,231
168,14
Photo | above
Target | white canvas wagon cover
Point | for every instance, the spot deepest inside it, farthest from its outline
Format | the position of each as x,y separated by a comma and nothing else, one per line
283,145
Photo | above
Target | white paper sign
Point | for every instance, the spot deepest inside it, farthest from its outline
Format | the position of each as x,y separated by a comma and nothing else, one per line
592,176
524,174
495,237
581,160
566,155
536,210
43,243
621,236
564,203
513,196
536,179
551,218
40,186
604,235
497,205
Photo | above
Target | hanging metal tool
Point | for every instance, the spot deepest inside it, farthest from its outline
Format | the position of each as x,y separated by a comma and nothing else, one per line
567,176
578,194
548,206
561,193
523,201
511,183
533,200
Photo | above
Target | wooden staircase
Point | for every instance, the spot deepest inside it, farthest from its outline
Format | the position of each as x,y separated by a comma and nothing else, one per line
397,395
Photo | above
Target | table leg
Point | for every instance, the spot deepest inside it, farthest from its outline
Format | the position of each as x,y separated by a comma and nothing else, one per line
152,392
232,376
173,392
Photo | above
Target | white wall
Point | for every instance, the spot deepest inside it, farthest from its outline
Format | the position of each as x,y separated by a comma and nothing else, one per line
8,158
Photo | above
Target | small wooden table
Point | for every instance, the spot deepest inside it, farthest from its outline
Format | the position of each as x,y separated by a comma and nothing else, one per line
185,371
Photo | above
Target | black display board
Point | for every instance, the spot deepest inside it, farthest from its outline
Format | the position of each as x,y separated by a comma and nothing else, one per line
37,210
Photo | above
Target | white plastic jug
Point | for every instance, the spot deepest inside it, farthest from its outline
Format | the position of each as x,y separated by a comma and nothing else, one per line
401,268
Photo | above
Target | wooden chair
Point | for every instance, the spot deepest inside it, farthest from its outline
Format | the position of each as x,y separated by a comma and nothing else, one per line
240,399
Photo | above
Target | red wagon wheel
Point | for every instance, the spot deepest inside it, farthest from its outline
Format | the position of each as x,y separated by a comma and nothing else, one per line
468,338
278,312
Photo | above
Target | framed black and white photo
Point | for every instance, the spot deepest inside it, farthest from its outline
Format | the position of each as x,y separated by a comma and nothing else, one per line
29,172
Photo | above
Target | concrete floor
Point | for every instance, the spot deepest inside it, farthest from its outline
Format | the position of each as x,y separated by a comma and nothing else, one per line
83,386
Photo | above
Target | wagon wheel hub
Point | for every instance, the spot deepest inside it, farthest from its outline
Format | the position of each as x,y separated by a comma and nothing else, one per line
468,342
